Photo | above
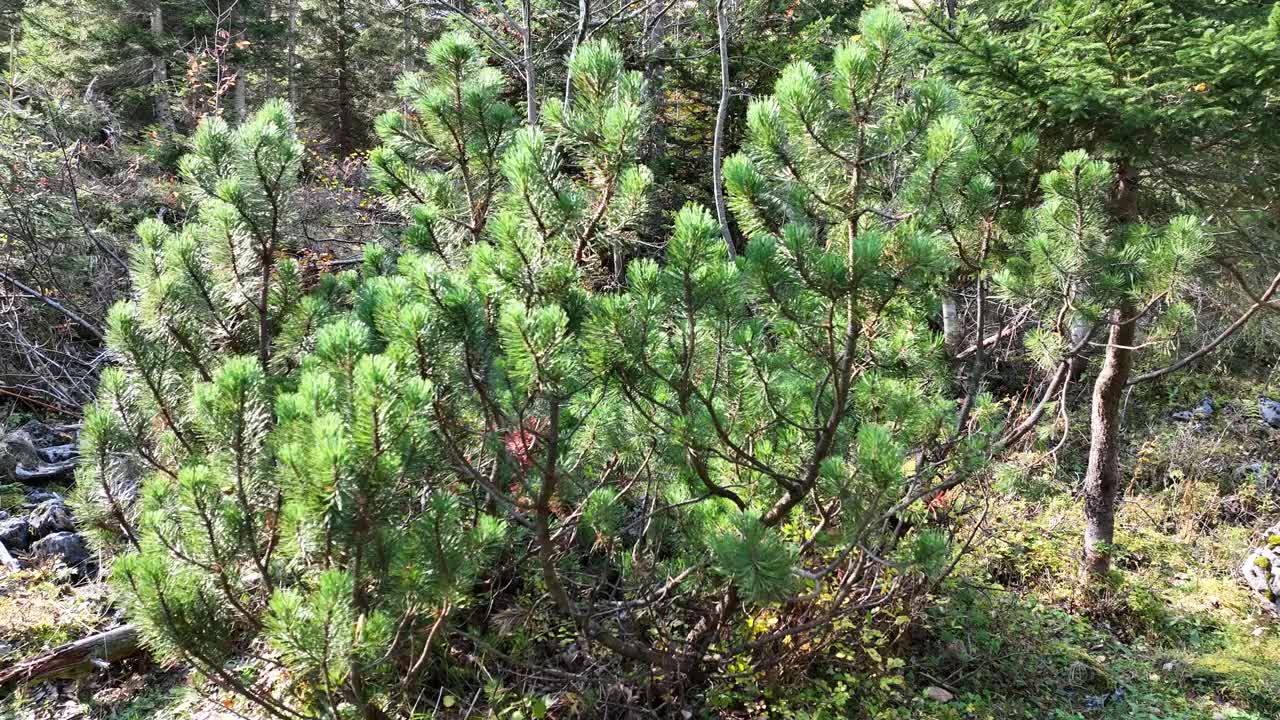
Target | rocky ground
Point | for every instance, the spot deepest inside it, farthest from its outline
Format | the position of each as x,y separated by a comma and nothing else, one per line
51,595
36,461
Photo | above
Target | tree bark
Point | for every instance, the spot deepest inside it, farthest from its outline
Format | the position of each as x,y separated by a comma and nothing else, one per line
346,108
239,96
1079,330
1103,475
407,28
77,657
291,53
584,16
240,93
159,71
952,333
530,72
722,114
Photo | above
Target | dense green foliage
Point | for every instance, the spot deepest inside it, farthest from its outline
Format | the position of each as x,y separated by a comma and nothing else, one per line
546,438
660,443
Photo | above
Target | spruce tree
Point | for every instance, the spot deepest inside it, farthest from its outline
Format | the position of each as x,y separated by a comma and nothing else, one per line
1174,100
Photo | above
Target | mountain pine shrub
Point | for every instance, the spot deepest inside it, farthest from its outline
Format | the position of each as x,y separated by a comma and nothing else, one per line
521,425
216,291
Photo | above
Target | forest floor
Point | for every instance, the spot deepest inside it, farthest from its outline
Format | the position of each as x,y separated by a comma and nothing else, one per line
1177,636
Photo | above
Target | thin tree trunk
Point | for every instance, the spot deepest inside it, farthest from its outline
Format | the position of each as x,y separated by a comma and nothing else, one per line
657,27
952,333
530,72
722,114
87,326
240,93
346,110
1079,330
584,16
410,42
13,62
291,53
159,71
1103,476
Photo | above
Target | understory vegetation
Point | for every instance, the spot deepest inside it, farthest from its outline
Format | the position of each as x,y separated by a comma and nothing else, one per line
401,360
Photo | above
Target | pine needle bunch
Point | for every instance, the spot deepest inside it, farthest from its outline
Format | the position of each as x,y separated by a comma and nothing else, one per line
457,163
440,161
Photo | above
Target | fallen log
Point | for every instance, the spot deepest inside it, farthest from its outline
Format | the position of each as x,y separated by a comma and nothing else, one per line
59,453
74,658
41,474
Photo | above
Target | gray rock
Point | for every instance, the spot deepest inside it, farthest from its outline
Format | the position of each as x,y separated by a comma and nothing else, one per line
938,695
1233,509
42,435
1261,569
8,561
44,473
36,452
1203,411
1093,702
17,449
1264,475
1270,411
59,453
49,517
15,533
68,547
35,497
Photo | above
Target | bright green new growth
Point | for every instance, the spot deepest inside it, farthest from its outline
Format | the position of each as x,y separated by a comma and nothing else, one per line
457,164
827,151
598,132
